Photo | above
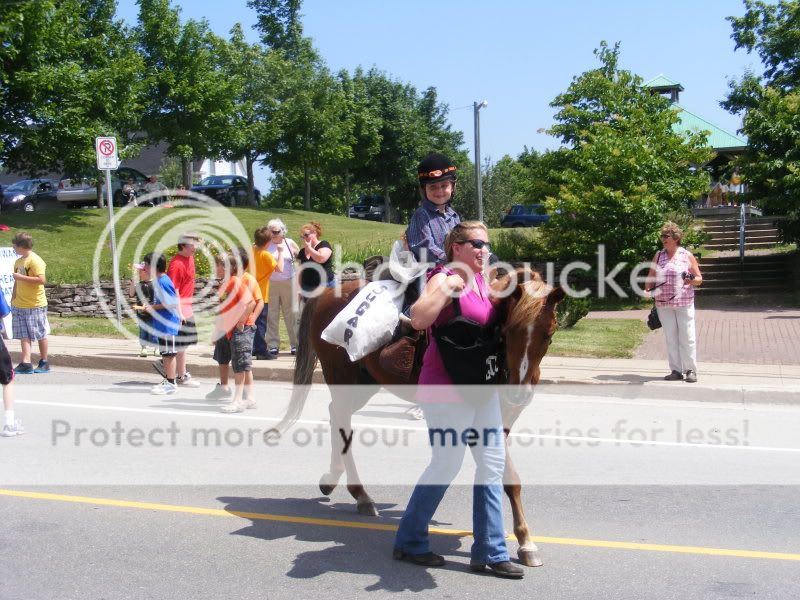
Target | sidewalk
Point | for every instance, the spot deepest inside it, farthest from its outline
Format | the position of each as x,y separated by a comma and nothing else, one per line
607,377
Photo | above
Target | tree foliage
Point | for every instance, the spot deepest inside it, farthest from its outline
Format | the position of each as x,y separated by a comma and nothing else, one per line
189,94
624,166
770,105
68,73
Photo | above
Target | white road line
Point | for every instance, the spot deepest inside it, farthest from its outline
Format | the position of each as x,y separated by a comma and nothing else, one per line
531,436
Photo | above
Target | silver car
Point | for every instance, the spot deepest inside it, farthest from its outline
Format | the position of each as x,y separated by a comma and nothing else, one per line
78,192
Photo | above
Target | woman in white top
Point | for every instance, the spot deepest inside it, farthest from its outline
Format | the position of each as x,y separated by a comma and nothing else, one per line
281,301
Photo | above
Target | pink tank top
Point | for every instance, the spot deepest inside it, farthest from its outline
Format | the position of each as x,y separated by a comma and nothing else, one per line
476,305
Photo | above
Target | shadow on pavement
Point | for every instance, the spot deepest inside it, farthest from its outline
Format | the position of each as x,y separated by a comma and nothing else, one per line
357,551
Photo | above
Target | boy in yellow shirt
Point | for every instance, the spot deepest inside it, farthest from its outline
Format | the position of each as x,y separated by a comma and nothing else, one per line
262,265
29,304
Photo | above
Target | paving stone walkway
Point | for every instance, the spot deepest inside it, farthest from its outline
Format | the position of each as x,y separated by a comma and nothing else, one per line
737,335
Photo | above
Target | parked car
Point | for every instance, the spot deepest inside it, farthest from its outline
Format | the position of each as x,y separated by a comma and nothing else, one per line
229,190
29,195
525,215
75,192
371,207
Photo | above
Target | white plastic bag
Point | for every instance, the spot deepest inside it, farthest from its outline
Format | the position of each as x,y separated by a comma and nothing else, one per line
368,321
403,265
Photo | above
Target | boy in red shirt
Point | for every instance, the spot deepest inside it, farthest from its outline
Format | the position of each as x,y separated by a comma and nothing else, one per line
181,271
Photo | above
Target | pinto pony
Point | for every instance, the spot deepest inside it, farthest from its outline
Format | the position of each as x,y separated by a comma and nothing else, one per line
526,310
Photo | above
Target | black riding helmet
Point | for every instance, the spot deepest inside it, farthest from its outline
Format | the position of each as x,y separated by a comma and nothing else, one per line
435,168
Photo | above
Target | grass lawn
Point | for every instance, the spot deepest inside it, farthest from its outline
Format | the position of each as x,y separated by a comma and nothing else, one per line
66,239
600,338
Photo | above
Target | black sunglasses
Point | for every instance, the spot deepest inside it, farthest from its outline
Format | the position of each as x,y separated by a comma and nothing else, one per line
479,244
275,232
666,236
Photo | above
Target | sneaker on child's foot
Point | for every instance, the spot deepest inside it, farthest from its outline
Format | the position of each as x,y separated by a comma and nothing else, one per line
23,368
187,381
232,407
164,388
44,367
294,350
13,430
220,392
249,403
143,352
156,352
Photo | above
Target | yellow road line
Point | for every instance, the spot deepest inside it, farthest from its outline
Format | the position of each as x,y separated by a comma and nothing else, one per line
216,512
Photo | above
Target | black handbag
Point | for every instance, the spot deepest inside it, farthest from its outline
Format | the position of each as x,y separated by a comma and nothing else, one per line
469,351
653,322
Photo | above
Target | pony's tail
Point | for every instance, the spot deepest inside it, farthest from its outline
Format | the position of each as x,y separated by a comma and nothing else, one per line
304,363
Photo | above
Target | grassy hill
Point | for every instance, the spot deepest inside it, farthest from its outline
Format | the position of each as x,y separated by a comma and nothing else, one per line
67,239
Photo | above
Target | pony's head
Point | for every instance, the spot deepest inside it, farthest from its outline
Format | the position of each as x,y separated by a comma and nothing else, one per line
527,311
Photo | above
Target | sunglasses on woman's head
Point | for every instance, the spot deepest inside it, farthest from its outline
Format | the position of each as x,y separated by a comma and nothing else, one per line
479,244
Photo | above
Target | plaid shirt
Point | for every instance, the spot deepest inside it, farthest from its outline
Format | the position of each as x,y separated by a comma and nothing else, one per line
427,230
673,292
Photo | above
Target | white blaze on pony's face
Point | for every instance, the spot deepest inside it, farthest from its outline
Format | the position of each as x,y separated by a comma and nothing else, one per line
529,324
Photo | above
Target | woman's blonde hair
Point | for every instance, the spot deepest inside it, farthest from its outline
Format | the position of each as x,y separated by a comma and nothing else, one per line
312,225
672,229
461,233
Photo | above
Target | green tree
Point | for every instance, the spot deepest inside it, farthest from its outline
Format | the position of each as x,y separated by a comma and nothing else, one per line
770,105
68,73
625,166
257,77
189,95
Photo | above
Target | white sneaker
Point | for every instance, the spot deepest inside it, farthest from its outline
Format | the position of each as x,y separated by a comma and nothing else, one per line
164,388
233,407
249,403
187,381
13,430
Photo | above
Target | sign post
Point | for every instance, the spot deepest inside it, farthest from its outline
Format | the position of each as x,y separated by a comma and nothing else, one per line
108,160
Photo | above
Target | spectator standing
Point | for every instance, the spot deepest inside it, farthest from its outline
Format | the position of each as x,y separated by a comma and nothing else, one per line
142,291
29,304
263,265
240,305
181,271
316,260
672,282
281,299
165,310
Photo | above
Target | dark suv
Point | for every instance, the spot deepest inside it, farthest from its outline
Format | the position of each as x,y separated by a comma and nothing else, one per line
370,207
230,190
525,215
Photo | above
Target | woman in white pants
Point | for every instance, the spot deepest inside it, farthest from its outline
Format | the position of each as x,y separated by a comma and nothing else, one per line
281,286
672,282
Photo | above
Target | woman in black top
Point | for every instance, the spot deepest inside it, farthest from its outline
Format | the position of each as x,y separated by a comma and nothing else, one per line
316,261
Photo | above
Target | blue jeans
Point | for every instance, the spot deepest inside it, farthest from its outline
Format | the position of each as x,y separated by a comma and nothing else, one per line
259,341
489,544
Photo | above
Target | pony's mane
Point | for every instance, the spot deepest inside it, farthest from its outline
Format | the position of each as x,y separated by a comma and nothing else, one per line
530,302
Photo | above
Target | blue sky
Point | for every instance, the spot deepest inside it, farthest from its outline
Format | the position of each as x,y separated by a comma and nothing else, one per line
516,54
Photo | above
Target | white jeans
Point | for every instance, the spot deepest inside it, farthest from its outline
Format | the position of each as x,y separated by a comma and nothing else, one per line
679,332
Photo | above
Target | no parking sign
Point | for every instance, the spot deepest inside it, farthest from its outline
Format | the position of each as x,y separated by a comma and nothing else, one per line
106,148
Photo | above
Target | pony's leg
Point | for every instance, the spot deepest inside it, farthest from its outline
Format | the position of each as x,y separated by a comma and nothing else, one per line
528,552
329,480
344,403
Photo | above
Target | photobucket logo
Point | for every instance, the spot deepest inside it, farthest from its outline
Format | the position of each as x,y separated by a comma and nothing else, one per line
141,230
408,273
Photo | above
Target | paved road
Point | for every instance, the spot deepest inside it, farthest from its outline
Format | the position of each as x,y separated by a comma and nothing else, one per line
123,520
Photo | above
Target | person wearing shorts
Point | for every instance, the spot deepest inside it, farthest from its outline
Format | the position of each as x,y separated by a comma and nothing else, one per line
165,311
29,304
181,271
240,304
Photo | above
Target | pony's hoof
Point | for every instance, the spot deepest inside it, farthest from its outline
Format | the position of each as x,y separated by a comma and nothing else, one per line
326,486
367,509
529,558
